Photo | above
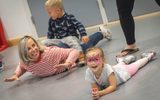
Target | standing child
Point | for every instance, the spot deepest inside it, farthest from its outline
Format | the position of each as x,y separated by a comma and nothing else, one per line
105,78
42,61
65,26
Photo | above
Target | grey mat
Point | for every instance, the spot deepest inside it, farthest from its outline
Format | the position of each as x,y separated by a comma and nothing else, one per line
72,86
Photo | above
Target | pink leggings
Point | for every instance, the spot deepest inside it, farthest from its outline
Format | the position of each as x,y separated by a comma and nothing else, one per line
134,67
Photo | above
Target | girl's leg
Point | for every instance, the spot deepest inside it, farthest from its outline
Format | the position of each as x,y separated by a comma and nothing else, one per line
119,59
134,67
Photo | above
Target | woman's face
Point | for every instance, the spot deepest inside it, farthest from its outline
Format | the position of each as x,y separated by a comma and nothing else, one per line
33,50
94,61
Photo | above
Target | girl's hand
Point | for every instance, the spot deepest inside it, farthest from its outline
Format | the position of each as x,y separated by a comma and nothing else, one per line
12,78
85,39
95,93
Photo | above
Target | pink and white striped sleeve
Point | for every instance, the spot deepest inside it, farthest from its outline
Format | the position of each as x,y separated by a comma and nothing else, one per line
20,70
73,56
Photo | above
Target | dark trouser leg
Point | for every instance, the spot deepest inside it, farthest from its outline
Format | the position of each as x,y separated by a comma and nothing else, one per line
125,8
93,40
158,2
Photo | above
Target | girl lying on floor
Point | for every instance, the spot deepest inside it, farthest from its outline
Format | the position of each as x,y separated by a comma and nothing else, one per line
105,78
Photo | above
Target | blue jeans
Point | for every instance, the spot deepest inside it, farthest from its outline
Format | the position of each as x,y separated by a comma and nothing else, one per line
93,40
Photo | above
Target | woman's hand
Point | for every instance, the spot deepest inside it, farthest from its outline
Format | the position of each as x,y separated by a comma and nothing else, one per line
12,78
95,93
85,39
65,65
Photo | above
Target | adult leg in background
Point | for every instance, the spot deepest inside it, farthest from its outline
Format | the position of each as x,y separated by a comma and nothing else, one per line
158,2
125,8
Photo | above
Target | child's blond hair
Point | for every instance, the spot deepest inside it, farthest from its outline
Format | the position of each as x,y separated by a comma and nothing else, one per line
54,3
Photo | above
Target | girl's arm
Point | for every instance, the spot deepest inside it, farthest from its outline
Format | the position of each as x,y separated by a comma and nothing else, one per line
94,91
112,85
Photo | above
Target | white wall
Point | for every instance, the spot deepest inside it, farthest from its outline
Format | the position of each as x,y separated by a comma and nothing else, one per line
15,16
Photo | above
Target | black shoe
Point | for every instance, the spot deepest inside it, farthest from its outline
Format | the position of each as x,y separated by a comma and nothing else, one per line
1,66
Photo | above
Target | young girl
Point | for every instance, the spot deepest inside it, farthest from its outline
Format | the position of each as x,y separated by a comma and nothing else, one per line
105,78
44,61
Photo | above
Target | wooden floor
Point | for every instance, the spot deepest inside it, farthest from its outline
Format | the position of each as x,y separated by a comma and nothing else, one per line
145,85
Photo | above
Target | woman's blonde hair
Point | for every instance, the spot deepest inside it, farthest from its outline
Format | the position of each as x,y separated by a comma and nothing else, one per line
100,52
23,50
54,3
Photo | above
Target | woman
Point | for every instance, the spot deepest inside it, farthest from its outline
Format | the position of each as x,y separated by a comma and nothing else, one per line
42,61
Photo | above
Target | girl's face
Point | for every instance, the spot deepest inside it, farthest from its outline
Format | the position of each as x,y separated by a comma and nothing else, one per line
33,50
54,13
94,61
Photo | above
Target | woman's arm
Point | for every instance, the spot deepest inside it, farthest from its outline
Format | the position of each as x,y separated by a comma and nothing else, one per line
112,85
73,56
71,59
19,71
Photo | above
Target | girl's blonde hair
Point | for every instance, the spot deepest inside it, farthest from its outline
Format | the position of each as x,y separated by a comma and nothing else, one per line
100,52
23,50
54,3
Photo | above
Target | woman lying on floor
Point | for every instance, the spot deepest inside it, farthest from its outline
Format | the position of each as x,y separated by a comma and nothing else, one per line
42,61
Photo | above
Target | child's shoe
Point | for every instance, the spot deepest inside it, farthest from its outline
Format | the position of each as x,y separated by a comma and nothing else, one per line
129,59
150,55
82,60
106,32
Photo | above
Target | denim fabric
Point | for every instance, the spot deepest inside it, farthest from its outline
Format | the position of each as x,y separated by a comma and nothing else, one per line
93,40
